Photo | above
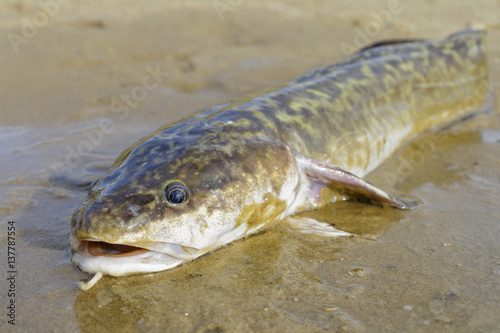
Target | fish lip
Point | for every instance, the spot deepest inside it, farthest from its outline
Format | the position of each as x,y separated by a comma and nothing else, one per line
99,248
95,256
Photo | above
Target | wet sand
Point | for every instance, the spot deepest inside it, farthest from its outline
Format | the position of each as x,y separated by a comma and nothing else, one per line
433,269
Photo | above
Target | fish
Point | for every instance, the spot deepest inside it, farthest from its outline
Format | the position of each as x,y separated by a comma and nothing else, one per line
234,169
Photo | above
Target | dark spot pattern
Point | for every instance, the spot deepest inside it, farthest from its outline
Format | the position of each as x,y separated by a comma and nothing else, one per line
340,113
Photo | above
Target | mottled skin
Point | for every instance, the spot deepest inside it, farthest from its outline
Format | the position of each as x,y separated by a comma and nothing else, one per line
243,161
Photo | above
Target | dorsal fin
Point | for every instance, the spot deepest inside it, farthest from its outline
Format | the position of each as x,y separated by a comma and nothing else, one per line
389,42
390,47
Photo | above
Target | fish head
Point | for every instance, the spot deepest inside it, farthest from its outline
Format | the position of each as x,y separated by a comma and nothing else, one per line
162,204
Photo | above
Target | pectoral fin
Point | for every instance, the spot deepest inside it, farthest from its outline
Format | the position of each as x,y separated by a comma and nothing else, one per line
333,176
308,225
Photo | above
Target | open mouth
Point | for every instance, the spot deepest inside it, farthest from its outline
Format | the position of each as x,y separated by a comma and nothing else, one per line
102,258
98,248
113,250
120,259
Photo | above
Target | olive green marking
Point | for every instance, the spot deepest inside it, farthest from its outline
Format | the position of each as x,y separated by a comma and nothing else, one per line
338,113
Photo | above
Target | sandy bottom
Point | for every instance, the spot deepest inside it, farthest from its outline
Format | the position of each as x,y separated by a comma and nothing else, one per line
432,269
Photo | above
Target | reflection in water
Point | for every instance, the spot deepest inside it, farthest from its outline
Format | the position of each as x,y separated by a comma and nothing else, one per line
408,170
368,221
276,273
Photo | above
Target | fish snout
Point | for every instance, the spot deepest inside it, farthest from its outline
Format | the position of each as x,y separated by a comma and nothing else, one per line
102,219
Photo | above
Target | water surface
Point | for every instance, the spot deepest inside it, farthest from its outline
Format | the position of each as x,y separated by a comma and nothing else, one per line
435,268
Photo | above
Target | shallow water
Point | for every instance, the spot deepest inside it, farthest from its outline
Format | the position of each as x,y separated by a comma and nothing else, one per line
435,268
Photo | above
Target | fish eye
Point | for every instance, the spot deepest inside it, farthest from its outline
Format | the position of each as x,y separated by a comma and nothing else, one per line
176,193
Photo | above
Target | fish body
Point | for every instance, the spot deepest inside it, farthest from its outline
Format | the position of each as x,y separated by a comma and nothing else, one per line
229,171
